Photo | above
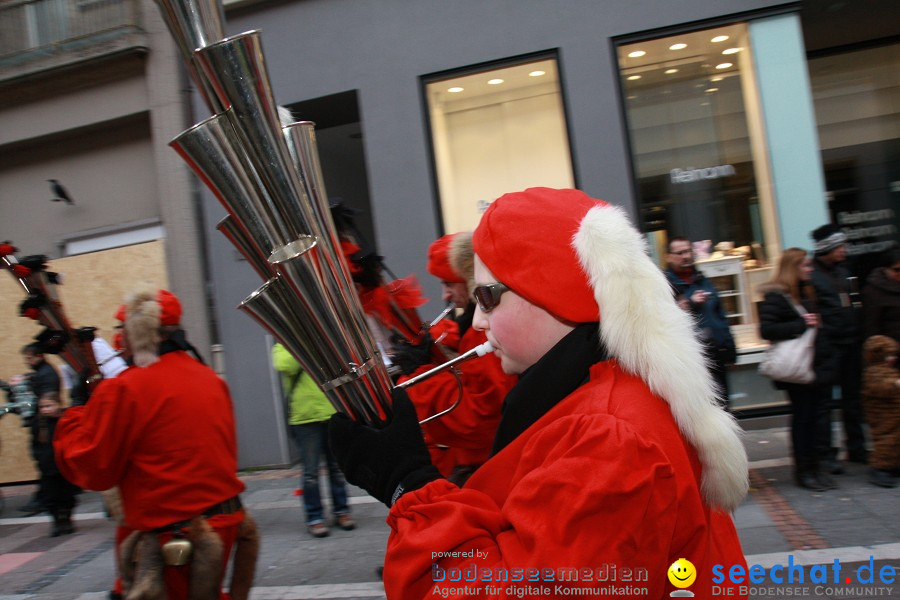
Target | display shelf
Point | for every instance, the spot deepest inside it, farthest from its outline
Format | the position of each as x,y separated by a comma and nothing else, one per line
727,275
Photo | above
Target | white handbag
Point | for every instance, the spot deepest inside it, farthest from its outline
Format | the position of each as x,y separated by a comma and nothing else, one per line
791,361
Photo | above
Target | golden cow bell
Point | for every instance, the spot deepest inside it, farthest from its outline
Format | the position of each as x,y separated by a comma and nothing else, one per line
177,552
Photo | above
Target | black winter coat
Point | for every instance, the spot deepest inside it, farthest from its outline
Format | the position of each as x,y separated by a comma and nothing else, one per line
779,320
840,320
44,379
881,306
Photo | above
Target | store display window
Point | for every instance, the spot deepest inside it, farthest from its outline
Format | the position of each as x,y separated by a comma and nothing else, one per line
700,169
857,102
689,104
495,130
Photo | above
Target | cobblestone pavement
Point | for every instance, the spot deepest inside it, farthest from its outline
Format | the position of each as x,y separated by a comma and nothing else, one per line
780,525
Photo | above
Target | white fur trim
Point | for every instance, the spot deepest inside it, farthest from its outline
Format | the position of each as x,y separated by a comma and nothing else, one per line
650,336
142,319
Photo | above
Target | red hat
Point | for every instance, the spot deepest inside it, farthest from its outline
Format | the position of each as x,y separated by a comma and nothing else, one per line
169,308
582,260
525,239
439,260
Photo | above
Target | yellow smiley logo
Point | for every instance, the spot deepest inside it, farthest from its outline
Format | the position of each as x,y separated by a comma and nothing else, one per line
682,573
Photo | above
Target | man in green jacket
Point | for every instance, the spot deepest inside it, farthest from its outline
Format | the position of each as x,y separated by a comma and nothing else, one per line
309,414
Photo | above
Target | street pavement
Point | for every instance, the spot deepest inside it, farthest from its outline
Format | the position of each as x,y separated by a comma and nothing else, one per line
779,525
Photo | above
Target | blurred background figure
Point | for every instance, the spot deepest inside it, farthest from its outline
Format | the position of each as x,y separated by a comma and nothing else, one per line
881,401
309,411
838,304
42,380
881,299
59,493
697,295
460,441
780,320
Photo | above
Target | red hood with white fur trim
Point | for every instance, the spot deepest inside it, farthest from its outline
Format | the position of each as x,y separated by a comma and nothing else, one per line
649,335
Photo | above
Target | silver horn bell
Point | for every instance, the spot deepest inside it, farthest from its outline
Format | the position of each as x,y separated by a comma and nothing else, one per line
267,176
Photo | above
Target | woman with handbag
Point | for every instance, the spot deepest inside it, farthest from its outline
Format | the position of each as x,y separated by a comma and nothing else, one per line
788,312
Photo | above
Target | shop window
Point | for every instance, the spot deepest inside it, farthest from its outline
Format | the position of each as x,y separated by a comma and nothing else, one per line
494,131
857,102
689,108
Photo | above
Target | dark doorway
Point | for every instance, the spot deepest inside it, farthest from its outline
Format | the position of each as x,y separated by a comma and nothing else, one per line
341,152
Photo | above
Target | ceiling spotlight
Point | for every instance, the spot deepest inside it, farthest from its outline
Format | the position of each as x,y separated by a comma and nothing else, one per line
731,51
711,90
678,46
670,71
719,38
537,73
724,66
455,90
717,78
633,77
495,81
636,54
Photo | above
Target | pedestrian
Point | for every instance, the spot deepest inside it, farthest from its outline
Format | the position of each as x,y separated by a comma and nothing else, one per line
309,411
787,310
697,295
60,493
459,441
881,401
164,432
881,299
839,311
612,449
44,379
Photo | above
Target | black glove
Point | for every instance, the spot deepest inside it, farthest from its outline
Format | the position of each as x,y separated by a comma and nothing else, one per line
410,357
385,462
80,392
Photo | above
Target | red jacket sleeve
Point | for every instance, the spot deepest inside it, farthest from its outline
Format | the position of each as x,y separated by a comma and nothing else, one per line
579,498
93,442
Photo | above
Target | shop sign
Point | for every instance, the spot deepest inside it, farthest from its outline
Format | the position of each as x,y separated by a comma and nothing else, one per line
691,174
868,231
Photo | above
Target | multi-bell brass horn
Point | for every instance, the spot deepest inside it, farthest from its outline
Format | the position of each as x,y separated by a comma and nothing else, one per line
269,179
194,24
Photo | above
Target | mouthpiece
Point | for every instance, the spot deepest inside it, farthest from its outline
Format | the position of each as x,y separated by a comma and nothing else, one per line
476,352
482,349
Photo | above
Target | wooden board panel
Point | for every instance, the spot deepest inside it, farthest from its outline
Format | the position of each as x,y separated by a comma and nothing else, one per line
93,287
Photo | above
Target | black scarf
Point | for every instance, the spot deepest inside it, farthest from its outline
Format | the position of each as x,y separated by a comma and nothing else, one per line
558,373
178,341
465,319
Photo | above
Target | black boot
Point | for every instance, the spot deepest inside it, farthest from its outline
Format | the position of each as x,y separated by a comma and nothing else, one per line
830,465
881,478
807,476
826,480
62,522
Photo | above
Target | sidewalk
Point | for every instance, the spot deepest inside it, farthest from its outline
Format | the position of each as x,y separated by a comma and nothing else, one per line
779,524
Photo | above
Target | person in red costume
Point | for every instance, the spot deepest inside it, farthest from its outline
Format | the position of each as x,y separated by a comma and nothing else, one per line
612,458
460,441
164,432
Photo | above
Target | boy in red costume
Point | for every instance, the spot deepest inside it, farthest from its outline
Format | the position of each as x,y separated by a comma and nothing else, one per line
612,455
163,431
461,440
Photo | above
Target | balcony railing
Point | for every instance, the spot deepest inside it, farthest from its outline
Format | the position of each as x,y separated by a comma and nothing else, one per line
33,30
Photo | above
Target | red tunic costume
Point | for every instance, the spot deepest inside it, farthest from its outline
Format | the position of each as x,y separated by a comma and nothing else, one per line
604,480
165,435
462,437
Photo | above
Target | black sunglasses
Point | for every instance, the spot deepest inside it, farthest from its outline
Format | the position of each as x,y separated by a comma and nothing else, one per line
488,296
